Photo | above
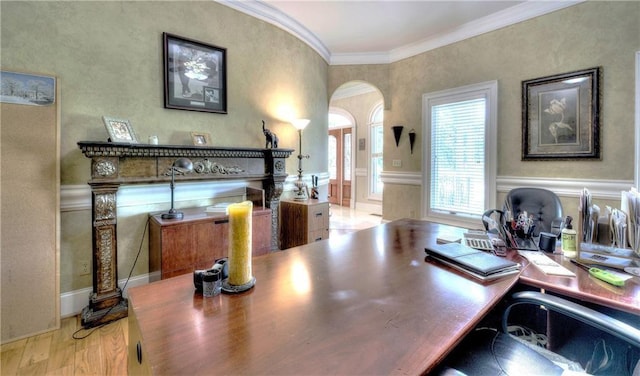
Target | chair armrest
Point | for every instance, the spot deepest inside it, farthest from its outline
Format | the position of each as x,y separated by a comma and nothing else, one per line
586,315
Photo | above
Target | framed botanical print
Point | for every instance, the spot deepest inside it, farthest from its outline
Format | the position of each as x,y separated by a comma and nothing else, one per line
561,116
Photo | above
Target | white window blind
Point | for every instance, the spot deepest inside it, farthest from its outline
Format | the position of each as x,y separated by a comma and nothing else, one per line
376,153
457,156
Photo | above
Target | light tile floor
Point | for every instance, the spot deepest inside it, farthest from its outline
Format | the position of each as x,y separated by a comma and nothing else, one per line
344,220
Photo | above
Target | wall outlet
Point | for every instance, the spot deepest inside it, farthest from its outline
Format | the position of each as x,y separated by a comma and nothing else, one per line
84,267
397,163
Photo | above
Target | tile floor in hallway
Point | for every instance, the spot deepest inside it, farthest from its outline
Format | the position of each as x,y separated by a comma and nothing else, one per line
344,220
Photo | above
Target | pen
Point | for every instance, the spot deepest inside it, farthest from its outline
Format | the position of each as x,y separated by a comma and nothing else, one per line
602,274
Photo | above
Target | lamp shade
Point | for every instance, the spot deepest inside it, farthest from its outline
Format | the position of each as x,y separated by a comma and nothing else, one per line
183,165
300,124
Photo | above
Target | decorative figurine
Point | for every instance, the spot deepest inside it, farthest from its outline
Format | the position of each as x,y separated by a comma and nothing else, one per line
271,138
314,188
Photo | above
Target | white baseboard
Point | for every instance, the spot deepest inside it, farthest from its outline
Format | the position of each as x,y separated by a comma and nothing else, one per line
369,208
72,303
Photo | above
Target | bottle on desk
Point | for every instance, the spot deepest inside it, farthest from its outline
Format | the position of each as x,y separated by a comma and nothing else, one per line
569,239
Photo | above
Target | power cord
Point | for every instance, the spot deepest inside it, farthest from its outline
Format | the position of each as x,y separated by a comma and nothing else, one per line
93,329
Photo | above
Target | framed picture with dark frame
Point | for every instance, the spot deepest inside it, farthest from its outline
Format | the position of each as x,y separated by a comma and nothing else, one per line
119,130
195,75
561,116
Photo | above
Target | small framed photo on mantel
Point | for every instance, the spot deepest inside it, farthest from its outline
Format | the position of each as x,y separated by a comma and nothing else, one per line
201,138
119,130
561,116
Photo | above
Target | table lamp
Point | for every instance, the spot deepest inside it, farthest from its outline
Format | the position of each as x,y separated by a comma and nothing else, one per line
301,187
180,166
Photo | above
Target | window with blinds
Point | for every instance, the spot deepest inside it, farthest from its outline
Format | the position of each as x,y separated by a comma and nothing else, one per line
376,153
460,152
457,156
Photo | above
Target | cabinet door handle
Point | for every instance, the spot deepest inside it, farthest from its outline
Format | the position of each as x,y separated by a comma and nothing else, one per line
318,239
139,352
221,221
319,214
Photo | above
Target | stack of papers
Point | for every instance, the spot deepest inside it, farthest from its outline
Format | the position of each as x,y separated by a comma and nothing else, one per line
546,264
630,205
218,208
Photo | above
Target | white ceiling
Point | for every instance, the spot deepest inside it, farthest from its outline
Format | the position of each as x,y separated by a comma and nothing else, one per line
384,31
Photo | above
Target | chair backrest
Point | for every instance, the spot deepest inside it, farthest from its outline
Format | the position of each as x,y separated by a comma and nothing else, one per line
544,205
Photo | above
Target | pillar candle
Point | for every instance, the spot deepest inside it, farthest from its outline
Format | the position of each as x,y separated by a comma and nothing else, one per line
240,216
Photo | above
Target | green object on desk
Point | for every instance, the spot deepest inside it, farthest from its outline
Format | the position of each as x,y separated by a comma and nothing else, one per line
602,274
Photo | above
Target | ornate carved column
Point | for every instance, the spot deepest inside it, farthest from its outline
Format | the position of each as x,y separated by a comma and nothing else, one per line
273,186
106,302
114,164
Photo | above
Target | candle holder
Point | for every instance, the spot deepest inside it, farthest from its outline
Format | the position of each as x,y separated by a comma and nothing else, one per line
240,274
301,192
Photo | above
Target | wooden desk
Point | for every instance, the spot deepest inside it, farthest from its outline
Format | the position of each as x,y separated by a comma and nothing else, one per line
585,287
362,303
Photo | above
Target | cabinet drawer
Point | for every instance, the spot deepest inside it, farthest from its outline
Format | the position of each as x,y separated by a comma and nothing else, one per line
318,217
317,235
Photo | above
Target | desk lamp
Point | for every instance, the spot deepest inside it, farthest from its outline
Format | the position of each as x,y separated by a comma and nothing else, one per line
301,186
180,166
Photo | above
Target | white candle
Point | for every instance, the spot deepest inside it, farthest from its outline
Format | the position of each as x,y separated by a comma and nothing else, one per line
240,216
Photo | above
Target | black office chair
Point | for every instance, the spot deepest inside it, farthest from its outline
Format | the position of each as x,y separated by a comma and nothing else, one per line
544,205
492,352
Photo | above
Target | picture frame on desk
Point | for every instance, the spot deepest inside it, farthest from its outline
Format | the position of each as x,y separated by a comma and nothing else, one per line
195,75
561,116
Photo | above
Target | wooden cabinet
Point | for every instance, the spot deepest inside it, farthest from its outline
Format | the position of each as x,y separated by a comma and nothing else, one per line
303,222
195,242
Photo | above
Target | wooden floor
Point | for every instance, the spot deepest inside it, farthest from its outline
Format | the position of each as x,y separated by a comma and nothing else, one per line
104,352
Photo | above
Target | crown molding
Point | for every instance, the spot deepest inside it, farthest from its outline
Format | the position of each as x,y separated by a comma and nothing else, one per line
518,13
507,17
271,15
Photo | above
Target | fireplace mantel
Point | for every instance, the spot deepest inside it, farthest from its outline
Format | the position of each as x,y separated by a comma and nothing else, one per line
115,164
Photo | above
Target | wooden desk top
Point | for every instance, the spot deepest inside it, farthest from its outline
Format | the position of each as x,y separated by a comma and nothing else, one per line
585,287
362,303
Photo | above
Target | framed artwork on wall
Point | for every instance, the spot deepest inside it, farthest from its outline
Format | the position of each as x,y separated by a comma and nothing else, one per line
195,75
561,116
27,89
119,130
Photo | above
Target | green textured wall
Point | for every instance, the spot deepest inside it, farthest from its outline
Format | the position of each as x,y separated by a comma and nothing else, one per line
590,34
107,56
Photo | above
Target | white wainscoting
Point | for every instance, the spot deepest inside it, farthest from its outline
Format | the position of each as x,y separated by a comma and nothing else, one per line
603,189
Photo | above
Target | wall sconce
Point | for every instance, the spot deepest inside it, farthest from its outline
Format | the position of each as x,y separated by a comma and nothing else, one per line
412,139
301,187
397,131
180,166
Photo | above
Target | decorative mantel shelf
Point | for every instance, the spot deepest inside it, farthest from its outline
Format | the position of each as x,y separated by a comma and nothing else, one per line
115,164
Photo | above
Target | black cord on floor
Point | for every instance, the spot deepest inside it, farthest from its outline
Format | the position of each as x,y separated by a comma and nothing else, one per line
93,329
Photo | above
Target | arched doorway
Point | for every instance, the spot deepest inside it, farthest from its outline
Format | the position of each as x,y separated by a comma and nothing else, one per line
353,145
341,125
